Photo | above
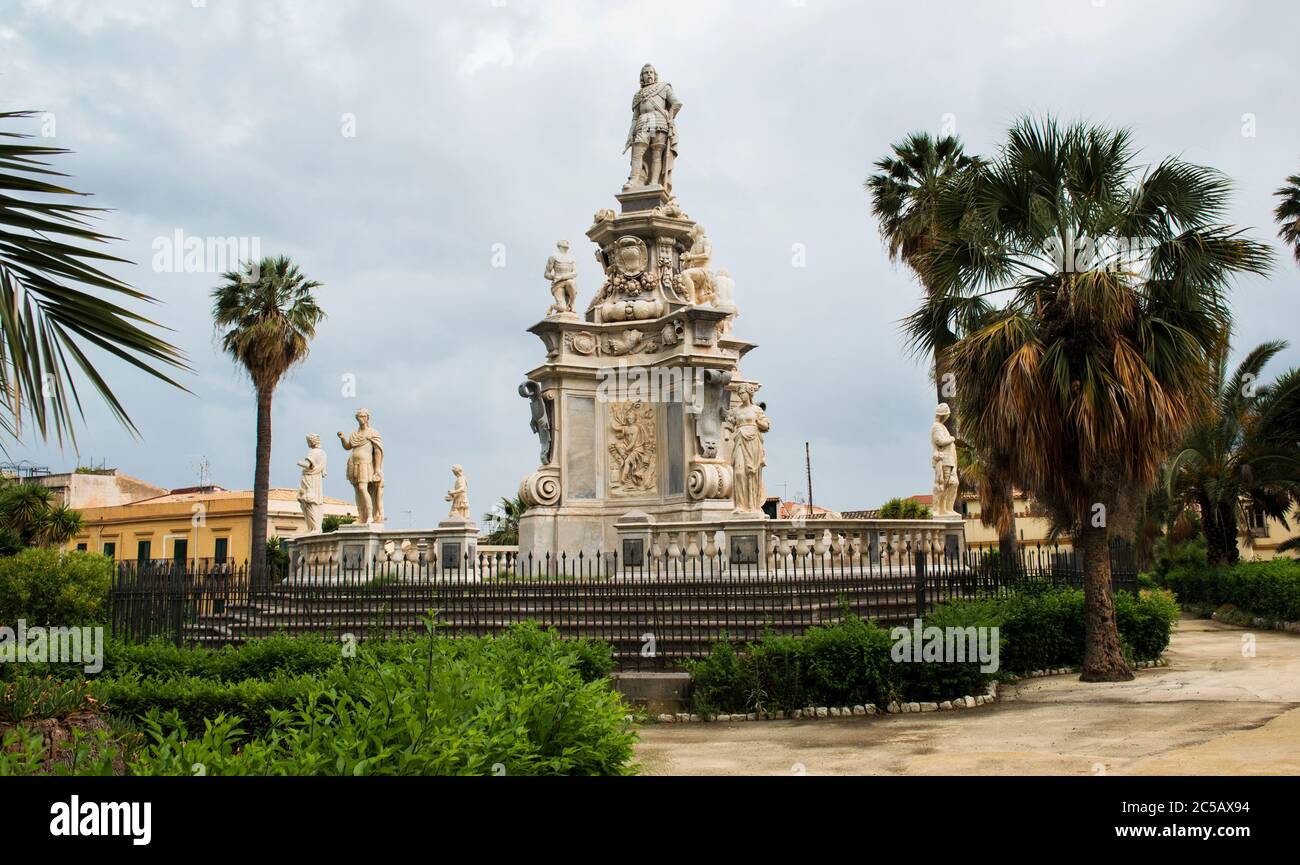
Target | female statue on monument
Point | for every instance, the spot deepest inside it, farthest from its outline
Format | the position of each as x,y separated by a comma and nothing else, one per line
748,456
366,469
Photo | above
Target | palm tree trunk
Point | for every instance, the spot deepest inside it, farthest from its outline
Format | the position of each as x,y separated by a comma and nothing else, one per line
1103,660
951,421
261,487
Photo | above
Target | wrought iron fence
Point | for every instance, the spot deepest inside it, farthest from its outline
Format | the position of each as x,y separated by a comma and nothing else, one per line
655,613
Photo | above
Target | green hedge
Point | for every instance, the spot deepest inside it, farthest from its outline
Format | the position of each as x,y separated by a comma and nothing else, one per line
1266,589
852,663
257,678
54,587
521,703
845,664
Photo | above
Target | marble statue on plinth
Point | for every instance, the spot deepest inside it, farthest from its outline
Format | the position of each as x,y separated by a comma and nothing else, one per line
458,496
696,275
748,423
653,136
562,273
366,469
944,461
311,491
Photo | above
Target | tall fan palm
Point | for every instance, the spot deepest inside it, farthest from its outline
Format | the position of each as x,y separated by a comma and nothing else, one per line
1100,359
905,196
266,316
1288,213
1243,453
906,193
48,311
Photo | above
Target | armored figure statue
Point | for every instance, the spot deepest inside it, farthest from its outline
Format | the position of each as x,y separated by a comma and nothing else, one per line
562,273
653,136
366,468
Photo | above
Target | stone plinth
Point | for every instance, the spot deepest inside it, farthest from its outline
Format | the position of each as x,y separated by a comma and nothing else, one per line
373,550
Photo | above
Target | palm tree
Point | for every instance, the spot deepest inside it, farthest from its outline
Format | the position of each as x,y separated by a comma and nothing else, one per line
905,196
29,517
47,315
504,520
1288,213
988,477
1244,453
1100,359
266,316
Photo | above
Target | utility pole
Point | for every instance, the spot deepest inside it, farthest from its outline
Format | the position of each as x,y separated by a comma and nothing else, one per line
807,457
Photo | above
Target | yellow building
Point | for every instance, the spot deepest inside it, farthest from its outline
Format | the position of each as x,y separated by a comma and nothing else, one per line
195,524
1032,525
1262,536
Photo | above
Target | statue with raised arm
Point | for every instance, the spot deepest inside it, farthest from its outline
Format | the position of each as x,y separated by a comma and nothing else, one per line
458,495
311,491
944,461
562,273
653,136
366,469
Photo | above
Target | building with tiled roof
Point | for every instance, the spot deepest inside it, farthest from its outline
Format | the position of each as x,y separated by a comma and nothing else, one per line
193,524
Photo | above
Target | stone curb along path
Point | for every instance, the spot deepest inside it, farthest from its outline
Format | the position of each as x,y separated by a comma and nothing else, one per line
868,709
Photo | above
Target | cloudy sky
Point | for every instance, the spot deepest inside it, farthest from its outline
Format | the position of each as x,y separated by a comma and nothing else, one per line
394,148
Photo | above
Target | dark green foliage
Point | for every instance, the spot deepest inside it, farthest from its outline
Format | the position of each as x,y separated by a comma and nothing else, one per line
852,662
1146,623
522,703
53,587
1265,589
332,522
904,509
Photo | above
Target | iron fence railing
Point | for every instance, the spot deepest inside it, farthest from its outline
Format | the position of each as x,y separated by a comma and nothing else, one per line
654,614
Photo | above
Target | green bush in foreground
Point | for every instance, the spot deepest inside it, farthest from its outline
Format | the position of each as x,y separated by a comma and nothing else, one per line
521,703
852,662
54,587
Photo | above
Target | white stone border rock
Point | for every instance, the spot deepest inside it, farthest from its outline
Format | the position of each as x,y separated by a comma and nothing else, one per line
1065,671
1258,622
818,712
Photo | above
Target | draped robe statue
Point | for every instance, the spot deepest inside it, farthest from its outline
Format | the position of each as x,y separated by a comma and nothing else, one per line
458,495
748,456
311,491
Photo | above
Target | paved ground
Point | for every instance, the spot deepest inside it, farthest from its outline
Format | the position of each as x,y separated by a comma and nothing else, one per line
1212,711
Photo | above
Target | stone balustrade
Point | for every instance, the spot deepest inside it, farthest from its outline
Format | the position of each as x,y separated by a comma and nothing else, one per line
793,543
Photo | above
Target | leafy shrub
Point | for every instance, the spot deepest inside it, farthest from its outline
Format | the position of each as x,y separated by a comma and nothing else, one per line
53,587
904,509
848,663
515,704
1267,589
254,681
1146,622
852,663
